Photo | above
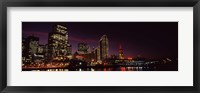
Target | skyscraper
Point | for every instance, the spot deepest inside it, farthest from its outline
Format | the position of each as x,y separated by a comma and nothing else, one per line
59,46
121,53
97,54
23,49
83,48
103,45
31,44
69,49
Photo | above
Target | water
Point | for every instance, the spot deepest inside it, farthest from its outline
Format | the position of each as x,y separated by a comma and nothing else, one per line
103,69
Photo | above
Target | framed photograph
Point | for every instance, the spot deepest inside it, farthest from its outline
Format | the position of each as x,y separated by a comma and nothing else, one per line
99,46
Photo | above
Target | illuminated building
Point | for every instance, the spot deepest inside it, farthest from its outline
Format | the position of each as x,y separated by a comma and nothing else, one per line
121,53
46,52
83,53
41,49
103,45
97,54
23,49
23,43
69,49
31,44
83,48
40,55
59,47
93,57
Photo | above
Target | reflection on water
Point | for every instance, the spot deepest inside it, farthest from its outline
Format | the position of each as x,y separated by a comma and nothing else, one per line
57,69
104,69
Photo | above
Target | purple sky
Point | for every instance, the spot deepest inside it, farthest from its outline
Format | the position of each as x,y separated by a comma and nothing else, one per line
147,39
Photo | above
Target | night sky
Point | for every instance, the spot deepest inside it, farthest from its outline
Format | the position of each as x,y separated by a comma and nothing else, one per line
146,39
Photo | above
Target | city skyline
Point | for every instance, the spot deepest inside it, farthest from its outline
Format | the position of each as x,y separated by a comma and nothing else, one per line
147,39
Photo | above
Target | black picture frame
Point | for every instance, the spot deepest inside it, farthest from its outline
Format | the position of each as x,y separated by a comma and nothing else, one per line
100,3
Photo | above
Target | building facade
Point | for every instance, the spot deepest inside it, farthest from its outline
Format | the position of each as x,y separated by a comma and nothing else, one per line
103,46
29,48
97,54
83,48
58,45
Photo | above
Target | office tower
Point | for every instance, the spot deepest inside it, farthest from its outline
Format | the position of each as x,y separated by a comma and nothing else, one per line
58,44
41,49
103,45
83,48
31,44
46,52
40,54
69,49
23,49
97,54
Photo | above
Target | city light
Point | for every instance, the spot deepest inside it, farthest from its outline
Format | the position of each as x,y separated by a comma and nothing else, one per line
130,58
57,54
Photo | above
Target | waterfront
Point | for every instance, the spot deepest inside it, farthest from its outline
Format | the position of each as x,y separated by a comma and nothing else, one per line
141,67
60,46
104,69
98,69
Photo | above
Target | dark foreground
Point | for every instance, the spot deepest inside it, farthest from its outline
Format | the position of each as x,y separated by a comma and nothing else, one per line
109,68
